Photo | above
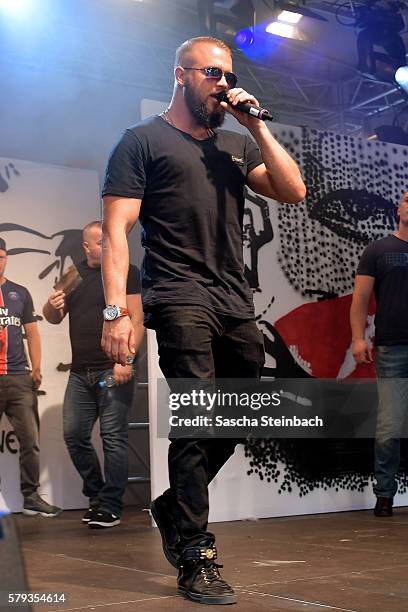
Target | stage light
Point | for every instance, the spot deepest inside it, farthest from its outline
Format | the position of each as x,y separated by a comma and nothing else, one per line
380,26
244,38
281,29
285,25
289,17
401,77
16,7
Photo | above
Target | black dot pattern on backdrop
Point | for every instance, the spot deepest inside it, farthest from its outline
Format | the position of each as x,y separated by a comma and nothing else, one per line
352,196
317,464
353,188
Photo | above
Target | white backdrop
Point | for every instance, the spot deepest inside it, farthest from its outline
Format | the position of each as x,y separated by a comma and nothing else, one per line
233,494
39,203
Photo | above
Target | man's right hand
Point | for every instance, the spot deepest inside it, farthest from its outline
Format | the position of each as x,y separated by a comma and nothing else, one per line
118,339
57,299
362,351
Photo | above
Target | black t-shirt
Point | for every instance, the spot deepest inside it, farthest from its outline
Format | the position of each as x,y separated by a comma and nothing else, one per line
387,261
192,209
84,306
16,309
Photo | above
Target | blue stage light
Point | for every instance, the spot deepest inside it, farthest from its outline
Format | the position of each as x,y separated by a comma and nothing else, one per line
244,38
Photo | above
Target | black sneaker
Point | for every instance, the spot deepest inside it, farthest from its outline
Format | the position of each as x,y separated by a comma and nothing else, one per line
161,513
36,505
102,519
199,578
90,514
383,507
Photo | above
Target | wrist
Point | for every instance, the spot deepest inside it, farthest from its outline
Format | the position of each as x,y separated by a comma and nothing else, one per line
113,312
258,129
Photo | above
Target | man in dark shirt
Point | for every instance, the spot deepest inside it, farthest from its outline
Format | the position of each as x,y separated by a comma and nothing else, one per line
18,399
187,181
384,268
96,388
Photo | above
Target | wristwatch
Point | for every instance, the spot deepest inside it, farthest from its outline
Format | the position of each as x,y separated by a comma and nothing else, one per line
112,312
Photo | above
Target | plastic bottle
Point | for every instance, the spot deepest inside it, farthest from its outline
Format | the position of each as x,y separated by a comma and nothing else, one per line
107,381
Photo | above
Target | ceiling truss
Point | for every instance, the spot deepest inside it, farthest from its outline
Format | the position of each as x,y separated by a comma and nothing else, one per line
145,61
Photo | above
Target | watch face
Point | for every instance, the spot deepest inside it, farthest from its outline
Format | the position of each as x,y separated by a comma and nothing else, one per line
110,313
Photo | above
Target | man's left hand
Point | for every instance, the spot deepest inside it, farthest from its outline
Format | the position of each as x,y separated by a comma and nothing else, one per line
37,378
122,373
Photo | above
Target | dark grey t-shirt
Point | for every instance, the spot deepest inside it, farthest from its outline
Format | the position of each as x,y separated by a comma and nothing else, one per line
84,306
387,261
192,195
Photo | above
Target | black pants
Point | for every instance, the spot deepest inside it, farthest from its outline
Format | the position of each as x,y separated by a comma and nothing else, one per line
196,343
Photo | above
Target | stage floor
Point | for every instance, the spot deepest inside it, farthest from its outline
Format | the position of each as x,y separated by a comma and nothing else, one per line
348,561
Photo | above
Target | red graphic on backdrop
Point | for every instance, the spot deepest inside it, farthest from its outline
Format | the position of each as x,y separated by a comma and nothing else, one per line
319,336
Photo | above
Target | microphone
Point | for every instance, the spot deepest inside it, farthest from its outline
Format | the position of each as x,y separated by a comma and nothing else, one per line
246,107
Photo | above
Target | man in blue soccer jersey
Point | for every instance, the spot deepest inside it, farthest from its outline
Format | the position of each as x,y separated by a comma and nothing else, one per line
18,384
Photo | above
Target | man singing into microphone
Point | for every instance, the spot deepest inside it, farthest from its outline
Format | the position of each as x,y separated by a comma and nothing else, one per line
185,179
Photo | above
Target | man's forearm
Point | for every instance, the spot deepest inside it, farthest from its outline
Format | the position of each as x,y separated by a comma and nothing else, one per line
52,315
358,320
34,350
283,172
115,264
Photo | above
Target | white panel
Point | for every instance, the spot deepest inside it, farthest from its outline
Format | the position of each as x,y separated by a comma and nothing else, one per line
44,200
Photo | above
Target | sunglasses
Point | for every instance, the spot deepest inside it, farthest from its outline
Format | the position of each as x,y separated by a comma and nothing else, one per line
216,73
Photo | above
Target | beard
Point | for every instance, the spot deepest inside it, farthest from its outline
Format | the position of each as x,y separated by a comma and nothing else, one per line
203,116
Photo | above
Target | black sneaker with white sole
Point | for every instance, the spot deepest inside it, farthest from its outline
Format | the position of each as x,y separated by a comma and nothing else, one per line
34,504
103,520
90,514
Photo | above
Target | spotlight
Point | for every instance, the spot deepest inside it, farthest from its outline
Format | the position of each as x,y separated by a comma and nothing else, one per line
285,26
401,77
281,29
380,23
289,17
16,7
244,38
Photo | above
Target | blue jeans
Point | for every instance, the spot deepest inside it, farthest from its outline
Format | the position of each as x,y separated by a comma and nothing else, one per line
392,383
84,402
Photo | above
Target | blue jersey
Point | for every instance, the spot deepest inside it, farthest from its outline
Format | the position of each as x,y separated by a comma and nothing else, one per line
16,309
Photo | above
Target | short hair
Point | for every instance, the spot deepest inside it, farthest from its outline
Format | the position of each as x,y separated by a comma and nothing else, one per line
89,226
187,46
